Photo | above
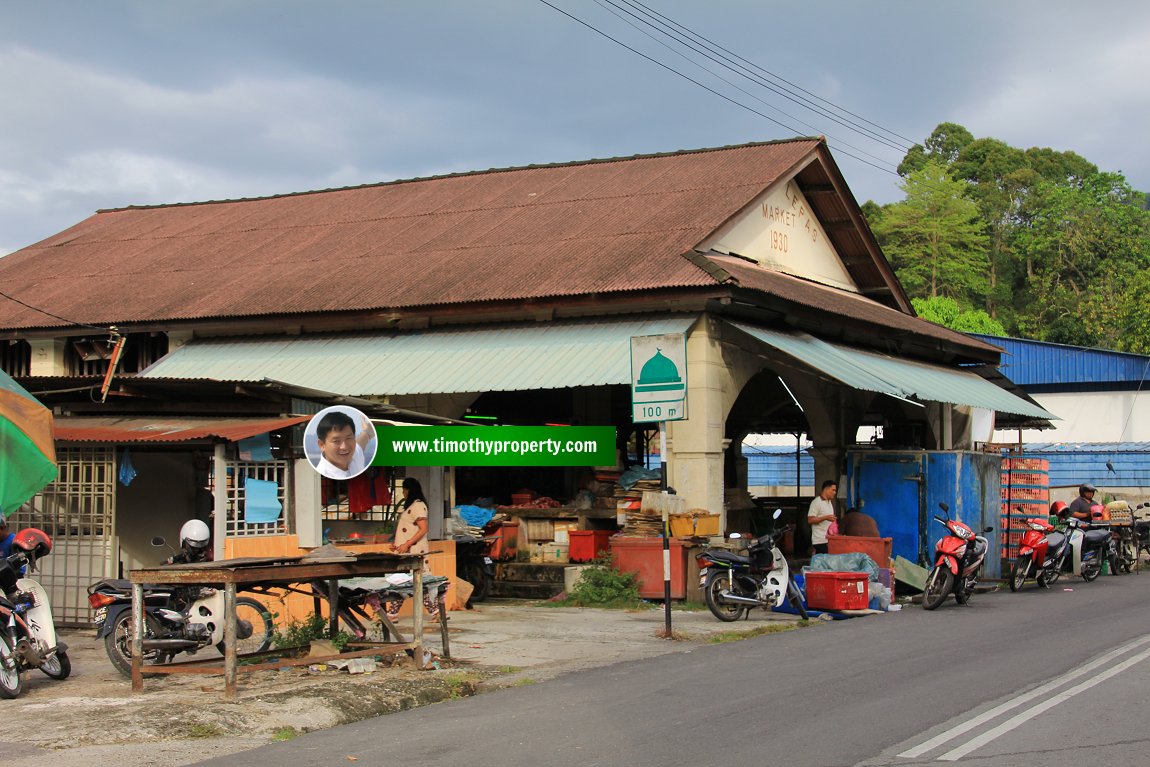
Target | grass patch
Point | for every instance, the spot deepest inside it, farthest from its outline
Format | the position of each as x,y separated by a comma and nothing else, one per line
462,684
508,669
523,682
770,628
285,733
601,585
202,730
301,633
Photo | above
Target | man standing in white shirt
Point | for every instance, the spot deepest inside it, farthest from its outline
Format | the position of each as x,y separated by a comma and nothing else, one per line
821,514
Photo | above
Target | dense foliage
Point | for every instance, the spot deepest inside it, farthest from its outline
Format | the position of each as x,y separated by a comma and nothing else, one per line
1031,242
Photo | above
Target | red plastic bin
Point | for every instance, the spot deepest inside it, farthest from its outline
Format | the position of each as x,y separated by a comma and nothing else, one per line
506,543
587,545
837,591
644,557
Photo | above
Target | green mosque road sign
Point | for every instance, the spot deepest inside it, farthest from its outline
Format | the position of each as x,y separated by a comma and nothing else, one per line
659,378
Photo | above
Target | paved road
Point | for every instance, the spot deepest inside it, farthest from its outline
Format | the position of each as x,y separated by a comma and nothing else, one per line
867,691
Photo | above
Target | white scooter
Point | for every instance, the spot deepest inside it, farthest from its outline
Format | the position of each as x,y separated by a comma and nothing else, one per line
1089,548
29,638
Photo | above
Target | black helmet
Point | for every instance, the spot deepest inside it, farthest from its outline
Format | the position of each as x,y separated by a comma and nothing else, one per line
1087,488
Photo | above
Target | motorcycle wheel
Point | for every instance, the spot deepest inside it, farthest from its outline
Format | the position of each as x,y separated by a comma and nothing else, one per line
719,581
1019,571
58,667
257,616
938,586
1115,562
1091,570
475,574
10,682
118,646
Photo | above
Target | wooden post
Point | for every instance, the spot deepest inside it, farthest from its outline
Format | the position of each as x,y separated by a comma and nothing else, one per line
230,641
417,614
137,639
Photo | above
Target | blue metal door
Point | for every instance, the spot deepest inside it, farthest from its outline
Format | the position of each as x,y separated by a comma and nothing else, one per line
889,487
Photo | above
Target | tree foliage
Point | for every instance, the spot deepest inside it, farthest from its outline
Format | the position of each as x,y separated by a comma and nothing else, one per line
1034,242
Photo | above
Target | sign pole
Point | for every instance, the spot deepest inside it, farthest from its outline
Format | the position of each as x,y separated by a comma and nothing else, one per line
666,531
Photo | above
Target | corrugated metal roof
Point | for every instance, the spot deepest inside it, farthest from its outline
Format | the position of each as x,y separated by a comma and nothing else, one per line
1039,363
564,230
1072,463
901,378
156,429
551,355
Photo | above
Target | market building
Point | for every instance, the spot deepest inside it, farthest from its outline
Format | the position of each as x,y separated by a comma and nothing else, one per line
510,293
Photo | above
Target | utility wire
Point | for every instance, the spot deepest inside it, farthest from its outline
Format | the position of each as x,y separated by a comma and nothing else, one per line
909,142
766,85
743,71
106,329
702,85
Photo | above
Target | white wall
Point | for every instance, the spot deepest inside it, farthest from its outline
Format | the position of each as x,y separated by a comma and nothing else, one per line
1093,417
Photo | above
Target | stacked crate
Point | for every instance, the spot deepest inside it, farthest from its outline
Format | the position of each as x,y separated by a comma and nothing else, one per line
1025,495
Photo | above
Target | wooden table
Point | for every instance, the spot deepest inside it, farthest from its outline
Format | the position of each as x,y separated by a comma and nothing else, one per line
263,572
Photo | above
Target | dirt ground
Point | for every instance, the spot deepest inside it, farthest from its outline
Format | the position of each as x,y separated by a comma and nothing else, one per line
94,717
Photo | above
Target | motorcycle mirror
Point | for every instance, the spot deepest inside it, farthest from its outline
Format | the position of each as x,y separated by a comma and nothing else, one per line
735,536
778,513
988,529
159,541
942,505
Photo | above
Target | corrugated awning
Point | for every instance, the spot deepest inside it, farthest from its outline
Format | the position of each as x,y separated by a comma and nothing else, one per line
870,371
155,429
548,355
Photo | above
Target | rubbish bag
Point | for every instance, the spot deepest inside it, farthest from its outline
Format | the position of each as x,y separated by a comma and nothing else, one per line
851,562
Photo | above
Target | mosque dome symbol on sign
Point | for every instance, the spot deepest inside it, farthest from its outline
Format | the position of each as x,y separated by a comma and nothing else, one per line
659,374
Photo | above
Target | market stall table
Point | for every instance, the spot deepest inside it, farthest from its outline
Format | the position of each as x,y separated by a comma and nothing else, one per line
251,573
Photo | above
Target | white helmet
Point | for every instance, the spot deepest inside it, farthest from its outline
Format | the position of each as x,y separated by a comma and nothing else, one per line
195,534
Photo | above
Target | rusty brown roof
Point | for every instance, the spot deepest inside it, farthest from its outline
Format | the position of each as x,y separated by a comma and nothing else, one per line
860,319
160,429
595,227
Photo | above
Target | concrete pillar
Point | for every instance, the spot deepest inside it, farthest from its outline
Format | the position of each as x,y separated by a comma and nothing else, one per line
695,445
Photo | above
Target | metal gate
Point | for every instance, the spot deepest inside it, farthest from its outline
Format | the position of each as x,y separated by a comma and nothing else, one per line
78,511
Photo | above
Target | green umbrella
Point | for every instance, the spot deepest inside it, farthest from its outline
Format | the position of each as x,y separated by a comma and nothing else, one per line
27,450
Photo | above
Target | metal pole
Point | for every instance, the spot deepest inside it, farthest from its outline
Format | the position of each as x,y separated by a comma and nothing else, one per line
666,531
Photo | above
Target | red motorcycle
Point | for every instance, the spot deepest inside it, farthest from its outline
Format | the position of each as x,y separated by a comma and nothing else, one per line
958,557
1041,553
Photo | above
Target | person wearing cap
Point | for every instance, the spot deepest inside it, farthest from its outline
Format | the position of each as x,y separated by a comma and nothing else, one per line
1080,507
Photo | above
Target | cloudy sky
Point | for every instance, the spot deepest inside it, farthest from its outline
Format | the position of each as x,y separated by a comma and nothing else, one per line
121,102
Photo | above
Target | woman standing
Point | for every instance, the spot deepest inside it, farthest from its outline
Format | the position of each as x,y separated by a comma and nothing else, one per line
411,529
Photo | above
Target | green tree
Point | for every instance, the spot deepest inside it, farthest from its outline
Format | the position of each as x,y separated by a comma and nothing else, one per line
935,238
945,311
943,145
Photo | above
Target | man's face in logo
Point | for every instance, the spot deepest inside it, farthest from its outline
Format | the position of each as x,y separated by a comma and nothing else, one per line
338,447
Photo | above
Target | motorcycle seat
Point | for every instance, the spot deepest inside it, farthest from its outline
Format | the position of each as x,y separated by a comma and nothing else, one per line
724,557
1054,541
1096,537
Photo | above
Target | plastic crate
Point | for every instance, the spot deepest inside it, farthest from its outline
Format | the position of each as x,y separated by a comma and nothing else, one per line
1026,464
506,543
1039,478
836,591
587,545
877,549
1022,493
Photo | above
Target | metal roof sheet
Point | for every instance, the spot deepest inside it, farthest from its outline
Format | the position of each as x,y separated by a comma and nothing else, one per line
900,378
551,355
1040,363
594,227
158,429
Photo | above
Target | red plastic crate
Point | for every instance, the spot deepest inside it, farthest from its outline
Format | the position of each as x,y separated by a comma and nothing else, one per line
1036,478
587,545
837,591
1026,464
1016,493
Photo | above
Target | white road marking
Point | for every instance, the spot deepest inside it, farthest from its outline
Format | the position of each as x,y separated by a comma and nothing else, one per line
1017,701
981,740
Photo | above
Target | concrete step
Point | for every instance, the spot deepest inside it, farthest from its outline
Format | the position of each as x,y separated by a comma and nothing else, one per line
525,589
534,572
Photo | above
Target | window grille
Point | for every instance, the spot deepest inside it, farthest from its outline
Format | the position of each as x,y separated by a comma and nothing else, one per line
78,512
269,471
335,498
16,358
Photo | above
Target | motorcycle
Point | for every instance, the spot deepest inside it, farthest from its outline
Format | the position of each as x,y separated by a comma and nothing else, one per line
1040,554
177,619
958,557
1090,545
29,636
734,583
473,563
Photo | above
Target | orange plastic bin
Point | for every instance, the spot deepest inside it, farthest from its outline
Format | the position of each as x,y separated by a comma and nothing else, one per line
587,545
644,557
